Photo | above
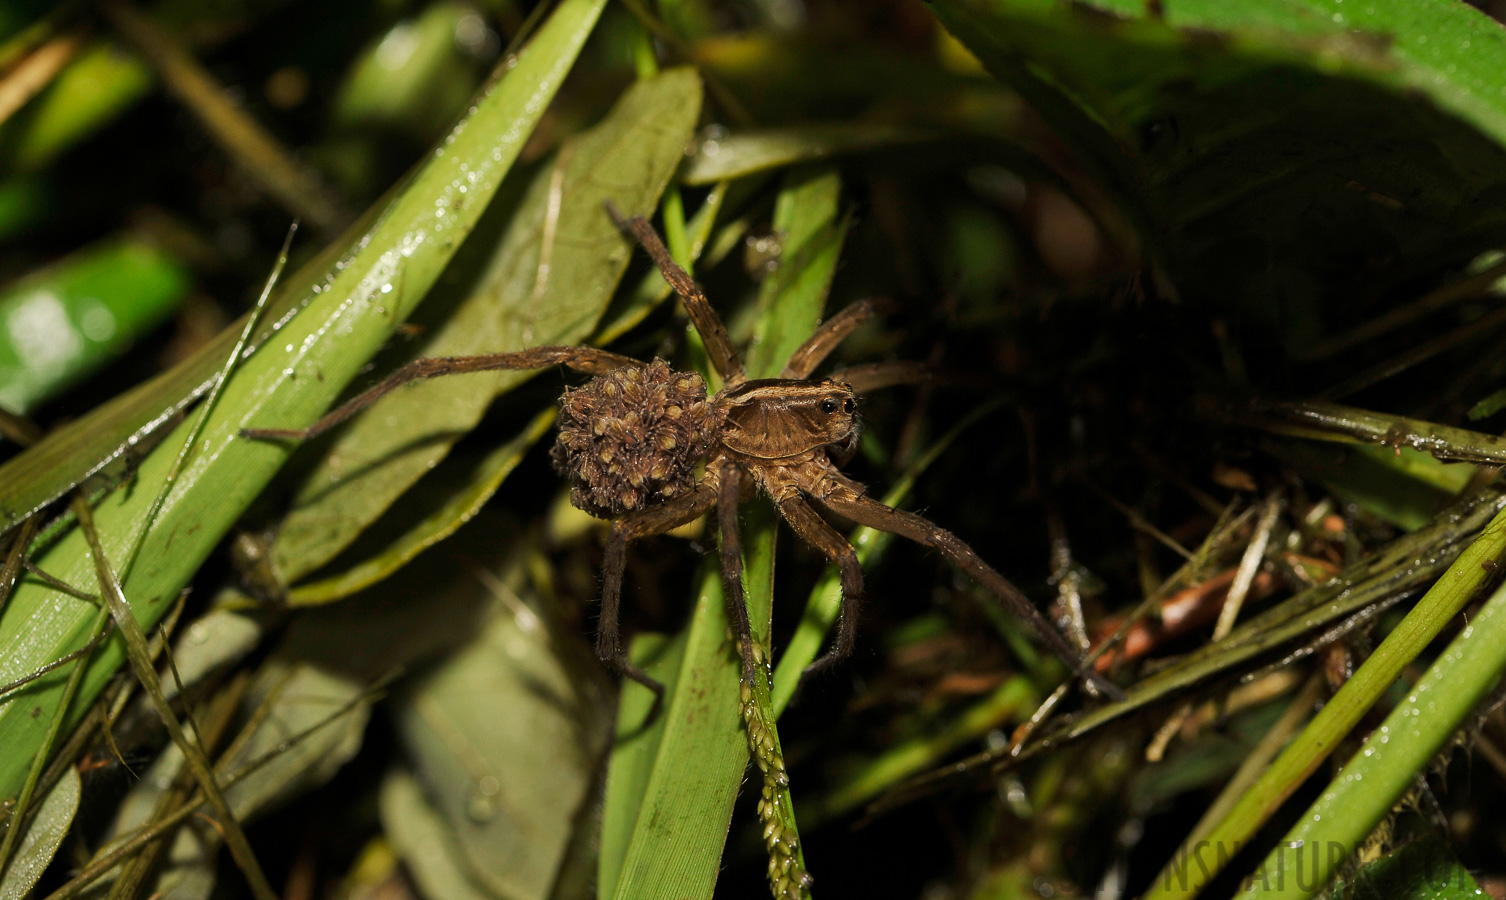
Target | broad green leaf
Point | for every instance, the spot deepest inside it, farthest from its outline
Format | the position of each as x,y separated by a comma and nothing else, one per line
54,817
459,507
507,735
327,660
548,281
1228,133
1421,870
678,825
423,839
61,323
290,379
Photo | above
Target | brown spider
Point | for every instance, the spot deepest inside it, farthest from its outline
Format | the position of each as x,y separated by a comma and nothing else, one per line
632,438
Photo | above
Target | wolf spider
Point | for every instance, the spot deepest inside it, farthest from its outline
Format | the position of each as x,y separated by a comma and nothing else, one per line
633,437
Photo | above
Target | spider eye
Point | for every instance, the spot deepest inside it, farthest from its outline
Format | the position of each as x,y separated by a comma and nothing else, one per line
848,405
828,406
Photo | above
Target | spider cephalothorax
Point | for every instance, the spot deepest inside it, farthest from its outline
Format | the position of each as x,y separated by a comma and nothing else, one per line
632,441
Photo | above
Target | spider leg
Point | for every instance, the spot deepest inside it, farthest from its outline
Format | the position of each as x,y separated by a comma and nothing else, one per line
707,323
729,496
874,376
814,530
582,359
851,504
831,333
641,524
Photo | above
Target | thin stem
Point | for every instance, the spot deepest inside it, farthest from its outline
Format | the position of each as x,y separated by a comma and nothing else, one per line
140,658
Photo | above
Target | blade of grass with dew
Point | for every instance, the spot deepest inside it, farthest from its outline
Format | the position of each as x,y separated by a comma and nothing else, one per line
547,281
1324,421
130,425
53,819
18,809
289,381
677,831
1339,716
1391,760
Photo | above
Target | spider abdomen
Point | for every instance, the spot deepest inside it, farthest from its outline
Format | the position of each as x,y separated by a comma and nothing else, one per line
632,438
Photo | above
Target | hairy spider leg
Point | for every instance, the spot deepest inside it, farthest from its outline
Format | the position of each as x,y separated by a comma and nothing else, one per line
874,376
832,332
729,498
644,523
864,377
846,498
582,359
707,323
817,532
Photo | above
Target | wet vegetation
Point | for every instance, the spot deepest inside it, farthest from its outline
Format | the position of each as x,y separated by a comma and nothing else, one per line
1207,298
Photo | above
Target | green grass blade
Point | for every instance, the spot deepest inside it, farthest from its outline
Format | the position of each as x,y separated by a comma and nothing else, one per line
43,838
793,295
289,381
1388,765
679,823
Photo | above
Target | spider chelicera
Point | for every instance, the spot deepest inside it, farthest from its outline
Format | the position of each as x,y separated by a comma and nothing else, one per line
634,437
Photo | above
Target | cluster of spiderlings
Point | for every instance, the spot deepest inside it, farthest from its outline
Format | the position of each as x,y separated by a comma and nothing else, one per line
788,879
633,437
